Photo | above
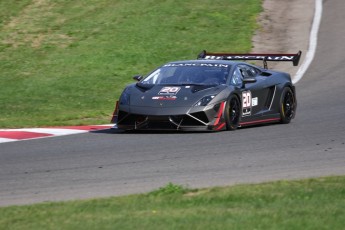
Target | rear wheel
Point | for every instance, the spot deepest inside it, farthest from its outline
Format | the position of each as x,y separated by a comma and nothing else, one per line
232,113
287,105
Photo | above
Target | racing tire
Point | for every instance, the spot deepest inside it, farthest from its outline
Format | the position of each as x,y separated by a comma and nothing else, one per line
287,105
232,113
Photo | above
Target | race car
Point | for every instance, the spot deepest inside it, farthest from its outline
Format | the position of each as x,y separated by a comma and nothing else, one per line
216,91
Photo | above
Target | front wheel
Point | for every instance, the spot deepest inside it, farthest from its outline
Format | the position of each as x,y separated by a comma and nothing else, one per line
287,105
232,113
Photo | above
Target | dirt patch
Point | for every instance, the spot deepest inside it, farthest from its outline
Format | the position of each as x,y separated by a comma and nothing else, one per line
284,28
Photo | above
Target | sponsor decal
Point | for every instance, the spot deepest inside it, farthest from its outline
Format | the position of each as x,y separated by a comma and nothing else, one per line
196,64
168,90
254,101
164,98
249,57
246,103
246,112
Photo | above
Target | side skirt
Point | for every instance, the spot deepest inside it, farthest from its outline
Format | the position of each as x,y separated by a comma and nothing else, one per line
260,121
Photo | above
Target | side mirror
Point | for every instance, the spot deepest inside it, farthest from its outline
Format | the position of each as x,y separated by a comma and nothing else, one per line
249,80
138,77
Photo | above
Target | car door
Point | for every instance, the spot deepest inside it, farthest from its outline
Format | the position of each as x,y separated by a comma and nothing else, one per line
254,95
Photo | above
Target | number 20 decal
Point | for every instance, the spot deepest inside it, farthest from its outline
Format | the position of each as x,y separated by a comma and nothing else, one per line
246,99
169,90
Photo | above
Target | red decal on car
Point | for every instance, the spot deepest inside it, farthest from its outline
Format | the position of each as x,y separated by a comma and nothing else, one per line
220,112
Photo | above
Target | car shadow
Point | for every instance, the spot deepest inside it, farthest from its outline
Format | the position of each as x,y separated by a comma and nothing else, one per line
119,131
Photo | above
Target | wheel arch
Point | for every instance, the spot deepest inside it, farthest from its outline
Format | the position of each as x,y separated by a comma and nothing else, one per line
239,97
225,112
293,89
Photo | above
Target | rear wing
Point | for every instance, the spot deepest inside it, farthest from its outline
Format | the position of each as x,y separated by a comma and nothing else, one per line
294,58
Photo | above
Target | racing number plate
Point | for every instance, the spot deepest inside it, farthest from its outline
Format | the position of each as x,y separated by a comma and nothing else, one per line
169,90
246,103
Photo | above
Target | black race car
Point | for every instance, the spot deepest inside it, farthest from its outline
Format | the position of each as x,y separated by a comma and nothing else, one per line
214,92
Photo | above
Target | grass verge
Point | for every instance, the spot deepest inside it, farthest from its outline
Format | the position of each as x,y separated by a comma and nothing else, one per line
304,204
65,62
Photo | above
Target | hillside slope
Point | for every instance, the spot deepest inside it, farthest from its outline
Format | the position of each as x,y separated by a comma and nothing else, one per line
65,62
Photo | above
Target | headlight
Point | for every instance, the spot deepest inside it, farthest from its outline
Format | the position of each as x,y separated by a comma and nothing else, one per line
205,100
124,99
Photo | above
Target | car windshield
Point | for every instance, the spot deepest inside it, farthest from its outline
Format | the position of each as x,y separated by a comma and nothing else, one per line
189,74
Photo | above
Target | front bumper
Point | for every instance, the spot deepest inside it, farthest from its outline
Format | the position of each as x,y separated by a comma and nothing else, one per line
203,118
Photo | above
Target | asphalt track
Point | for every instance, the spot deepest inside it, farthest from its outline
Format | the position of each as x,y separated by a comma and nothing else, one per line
109,163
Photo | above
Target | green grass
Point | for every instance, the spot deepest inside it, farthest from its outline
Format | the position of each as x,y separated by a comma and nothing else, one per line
65,62
306,204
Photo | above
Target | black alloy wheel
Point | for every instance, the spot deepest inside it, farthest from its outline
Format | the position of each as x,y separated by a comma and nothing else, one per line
287,105
232,113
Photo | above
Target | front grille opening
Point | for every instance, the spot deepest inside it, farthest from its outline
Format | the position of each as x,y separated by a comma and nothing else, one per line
125,118
162,122
121,115
177,118
161,125
158,122
201,116
189,121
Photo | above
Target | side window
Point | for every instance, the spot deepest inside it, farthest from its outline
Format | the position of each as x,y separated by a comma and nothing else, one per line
252,71
248,71
236,77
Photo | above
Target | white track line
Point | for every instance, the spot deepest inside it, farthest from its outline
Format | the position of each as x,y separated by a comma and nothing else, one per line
312,42
52,131
3,140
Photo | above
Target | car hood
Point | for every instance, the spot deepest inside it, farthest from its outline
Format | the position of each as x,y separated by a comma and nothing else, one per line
170,95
